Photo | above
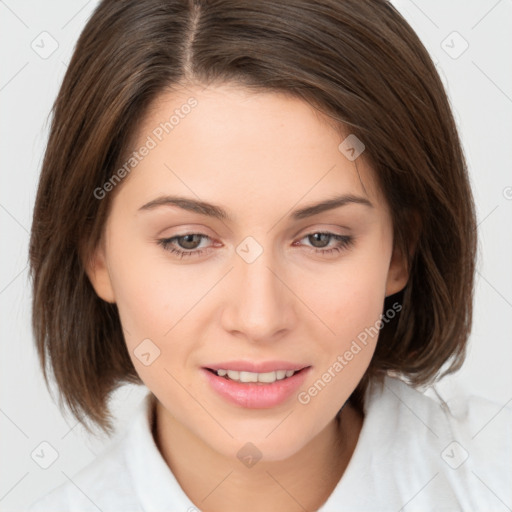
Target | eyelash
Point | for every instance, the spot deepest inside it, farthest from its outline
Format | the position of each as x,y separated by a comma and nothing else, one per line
343,240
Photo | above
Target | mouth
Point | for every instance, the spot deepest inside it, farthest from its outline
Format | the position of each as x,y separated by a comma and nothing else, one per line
256,390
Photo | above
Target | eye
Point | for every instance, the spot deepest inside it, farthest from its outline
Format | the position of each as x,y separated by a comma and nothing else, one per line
321,239
189,242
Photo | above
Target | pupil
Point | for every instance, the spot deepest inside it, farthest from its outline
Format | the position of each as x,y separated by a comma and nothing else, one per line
189,240
315,238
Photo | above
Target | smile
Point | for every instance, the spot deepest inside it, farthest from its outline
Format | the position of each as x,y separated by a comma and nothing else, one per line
255,390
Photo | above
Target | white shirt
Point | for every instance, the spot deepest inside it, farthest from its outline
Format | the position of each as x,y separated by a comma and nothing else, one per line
413,454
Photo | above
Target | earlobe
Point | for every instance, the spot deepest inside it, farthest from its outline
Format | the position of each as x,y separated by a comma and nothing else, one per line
97,271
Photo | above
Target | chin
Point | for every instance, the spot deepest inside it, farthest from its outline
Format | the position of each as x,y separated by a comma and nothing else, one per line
263,446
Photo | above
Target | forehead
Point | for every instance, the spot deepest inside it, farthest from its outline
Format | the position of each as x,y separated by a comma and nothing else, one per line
228,144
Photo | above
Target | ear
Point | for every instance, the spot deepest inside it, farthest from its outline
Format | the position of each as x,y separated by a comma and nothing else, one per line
398,273
97,271
399,270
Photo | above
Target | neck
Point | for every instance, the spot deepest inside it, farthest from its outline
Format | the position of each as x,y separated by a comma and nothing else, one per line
214,482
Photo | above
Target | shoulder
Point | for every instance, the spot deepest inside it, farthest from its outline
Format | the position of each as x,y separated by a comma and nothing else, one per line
428,451
438,415
94,486
130,475
458,446
107,483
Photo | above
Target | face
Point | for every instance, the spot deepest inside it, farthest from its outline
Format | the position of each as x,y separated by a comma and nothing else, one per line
259,282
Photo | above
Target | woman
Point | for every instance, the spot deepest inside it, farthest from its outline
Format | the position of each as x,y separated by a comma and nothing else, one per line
261,212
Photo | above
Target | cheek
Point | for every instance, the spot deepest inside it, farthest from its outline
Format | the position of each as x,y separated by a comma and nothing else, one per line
351,306
149,298
150,306
349,301
152,293
348,297
161,305
359,308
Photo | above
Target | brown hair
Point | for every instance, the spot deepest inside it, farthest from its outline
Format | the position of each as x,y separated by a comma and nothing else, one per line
359,62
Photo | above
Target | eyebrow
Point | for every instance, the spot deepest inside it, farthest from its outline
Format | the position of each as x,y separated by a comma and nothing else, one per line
211,210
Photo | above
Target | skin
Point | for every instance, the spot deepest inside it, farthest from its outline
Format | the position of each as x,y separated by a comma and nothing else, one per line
259,156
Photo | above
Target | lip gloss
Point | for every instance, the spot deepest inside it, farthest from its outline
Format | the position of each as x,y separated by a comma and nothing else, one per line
255,395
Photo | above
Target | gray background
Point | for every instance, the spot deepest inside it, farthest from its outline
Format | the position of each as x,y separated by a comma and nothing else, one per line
479,83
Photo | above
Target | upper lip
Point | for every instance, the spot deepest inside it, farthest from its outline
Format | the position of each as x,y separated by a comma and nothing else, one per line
256,367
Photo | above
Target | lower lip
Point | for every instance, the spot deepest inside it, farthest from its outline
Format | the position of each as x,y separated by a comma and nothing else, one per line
256,395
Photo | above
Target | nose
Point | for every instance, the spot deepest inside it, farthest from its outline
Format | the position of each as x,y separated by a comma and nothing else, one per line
260,306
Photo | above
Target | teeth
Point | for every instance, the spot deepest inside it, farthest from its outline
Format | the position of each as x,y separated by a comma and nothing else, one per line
281,374
248,377
233,375
266,378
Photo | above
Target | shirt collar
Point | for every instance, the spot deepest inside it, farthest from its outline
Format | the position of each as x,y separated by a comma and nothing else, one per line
155,485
